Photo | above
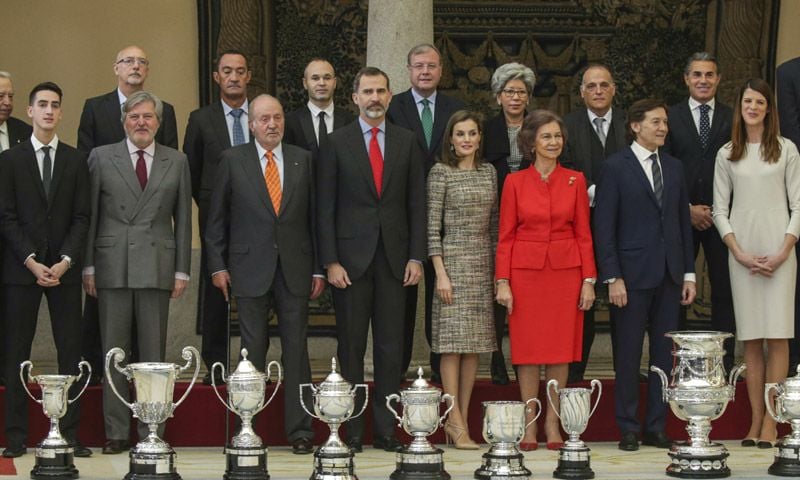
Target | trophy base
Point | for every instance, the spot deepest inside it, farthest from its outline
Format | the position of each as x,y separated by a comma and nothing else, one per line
423,465
711,463
787,461
246,463
501,467
333,466
54,462
152,466
574,463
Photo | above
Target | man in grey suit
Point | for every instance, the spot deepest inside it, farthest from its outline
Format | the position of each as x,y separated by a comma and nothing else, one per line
139,244
260,240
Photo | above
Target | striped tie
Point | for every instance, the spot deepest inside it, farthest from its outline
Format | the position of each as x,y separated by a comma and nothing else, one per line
273,179
658,181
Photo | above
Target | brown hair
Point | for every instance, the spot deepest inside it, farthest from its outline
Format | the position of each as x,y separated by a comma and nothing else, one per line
770,146
449,156
535,120
638,111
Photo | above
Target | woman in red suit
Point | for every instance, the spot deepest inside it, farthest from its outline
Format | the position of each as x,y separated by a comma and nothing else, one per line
545,270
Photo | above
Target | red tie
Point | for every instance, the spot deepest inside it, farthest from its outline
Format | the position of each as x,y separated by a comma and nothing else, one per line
376,160
141,169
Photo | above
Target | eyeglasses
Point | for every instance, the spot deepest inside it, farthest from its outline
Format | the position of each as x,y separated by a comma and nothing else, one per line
511,92
129,61
424,66
591,87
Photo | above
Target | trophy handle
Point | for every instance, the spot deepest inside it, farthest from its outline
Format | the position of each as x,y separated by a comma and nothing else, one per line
389,399
664,382
118,355
736,372
599,385
187,354
538,404
27,364
552,383
366,397
269,374
86,369
452,401
302,402
769,402
214,384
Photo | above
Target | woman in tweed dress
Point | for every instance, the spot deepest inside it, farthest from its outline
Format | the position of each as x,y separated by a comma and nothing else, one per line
462,230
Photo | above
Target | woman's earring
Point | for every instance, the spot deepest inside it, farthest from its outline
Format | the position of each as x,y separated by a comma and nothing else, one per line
452,148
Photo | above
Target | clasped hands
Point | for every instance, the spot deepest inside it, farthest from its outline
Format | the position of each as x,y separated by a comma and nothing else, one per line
47,276
764,265
338,277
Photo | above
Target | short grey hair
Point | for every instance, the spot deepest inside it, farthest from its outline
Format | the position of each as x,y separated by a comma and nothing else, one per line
699,57
4,74
141,97
422,48
512,71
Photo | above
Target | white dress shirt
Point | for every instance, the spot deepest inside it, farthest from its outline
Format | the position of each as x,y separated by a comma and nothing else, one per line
277,155
5,140
694,107
227,109
315,110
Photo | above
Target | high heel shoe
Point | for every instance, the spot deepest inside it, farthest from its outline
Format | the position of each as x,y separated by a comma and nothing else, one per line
528,446
457,436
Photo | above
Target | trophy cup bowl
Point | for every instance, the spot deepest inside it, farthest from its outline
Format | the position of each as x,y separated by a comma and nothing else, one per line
784,407
504,425
574,410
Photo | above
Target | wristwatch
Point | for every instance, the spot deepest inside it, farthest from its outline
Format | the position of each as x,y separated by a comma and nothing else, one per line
590,281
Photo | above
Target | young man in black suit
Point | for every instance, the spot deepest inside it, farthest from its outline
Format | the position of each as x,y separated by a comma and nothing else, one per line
44,192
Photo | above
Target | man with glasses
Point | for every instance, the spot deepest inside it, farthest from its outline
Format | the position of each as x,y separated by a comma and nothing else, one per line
424,111
596,131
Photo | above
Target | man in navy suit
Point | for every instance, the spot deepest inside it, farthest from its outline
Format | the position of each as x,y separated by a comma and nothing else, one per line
643,239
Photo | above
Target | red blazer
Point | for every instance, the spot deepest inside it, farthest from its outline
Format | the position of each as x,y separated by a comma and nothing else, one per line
541,221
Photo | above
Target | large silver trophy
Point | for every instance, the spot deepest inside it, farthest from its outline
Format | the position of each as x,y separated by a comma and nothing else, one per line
575,409
786,409
54,455
504,425
334,403
419,459
154,382
698,393
246,455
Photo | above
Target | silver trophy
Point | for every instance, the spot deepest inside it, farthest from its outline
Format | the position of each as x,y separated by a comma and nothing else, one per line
785,408
504,425
54,455
419,459
334,402
574,410
154,382
698,393
246,455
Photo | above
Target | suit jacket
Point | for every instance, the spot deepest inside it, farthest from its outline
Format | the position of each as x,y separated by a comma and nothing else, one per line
139,238
351,217
634,238
583,150
101,123
683,142
206,137
496,149
49,226
18,131
788,77
245,236
299,129
403,112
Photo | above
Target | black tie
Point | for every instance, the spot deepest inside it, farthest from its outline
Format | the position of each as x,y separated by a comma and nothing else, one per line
658,182
323,128
47,170
705,126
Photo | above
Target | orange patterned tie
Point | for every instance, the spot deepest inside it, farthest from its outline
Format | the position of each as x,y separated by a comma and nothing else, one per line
273,180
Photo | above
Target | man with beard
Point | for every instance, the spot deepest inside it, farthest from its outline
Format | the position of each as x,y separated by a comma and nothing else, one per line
371,227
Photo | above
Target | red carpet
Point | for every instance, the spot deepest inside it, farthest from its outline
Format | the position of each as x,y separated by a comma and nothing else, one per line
7,466
200,420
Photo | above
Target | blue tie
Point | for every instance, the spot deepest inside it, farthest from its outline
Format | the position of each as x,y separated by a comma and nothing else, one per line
238,132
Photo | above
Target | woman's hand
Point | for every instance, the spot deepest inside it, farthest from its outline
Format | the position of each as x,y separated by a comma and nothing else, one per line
444,289
504,296
771,263
755,263
587,296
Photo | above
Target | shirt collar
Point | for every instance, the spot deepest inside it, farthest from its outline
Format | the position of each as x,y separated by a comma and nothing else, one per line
641,153
593,115
227,109
366,127
150,149
315,109
418,98
37,145
277,152
122,98
694,104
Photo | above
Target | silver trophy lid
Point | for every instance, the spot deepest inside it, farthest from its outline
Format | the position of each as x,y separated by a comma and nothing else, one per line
245,369
334,382
420,385
793,383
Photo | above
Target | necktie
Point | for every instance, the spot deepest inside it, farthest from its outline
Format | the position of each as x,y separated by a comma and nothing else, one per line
376,160
705,125
273,179
141,169
598,126
658,181
47,170
323,129
427,120
238,132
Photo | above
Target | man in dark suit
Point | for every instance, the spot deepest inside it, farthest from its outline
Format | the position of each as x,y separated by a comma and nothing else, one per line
698,127
307,126
138,251
424,111
643,242
100,124
595,131
211,130
371,227
44,219
260,240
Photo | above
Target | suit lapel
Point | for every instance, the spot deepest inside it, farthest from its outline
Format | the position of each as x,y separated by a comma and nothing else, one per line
122,162
716,124
158,170
252,169
390,155
410,111
361,156
306,123
440,118
59,166
340,118
290,176
114,112
685,116
220,126
638,173
32,166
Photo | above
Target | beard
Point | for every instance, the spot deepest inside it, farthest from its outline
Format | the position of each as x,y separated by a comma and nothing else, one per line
375,111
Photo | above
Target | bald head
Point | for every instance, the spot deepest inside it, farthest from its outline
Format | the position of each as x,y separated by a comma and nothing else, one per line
266,121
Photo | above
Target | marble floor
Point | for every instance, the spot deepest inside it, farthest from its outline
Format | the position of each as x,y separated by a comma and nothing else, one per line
607,461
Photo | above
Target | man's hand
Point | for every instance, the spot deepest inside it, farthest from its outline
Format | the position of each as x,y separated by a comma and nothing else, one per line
177,290
59,269
504,296
44,276
413,273
88,285
688,292
701,217
617,294
337,276
317,286
222,280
